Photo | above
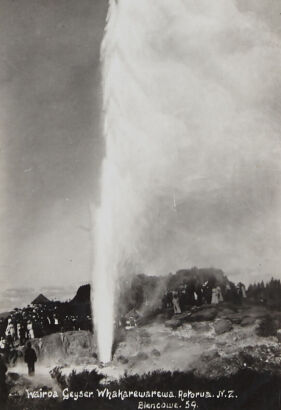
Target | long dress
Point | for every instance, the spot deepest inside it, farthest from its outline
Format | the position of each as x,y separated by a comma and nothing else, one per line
30,331
10,330
243,291
176,305
220,297
215,296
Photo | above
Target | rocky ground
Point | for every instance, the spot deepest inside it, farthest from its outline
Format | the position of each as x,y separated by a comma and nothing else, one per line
212,341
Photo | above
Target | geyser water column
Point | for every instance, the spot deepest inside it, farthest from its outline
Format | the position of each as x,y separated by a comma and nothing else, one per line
181,104
138,136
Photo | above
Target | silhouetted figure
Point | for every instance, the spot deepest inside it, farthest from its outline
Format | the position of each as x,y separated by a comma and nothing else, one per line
30,358
176,305
243,290
231,294
207,292
239,293
22,333
168,300
3,385
228,293
183,299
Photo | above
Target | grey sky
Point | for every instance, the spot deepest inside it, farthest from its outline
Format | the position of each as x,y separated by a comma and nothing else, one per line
51,145
51,151
198,121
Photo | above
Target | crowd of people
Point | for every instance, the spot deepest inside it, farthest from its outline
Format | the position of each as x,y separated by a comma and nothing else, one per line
36,321
194,293
21,326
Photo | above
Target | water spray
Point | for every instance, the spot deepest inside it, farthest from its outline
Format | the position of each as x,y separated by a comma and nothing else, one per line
180,104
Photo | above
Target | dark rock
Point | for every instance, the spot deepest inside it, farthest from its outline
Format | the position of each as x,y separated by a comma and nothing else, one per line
145,342
210,355
83,295
155,353
185,316
279,335
13,376
226,311
173,323
247,321
204,315
201,326
40,300
222,326
142,356
122,359
144,333
266,327
235,319
246,358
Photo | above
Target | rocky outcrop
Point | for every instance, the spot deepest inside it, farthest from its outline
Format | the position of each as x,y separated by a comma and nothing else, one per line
142,356
222,326
72,347
203,315
201,326
247,321
210,355
122,359
83,295
173,323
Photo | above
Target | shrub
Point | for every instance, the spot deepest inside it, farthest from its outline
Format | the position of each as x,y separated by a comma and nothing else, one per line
267,327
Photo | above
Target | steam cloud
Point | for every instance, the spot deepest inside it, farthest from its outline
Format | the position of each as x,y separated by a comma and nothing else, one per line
192,142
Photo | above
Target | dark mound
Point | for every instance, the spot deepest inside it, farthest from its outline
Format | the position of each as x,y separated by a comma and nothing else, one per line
83,295
40,300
